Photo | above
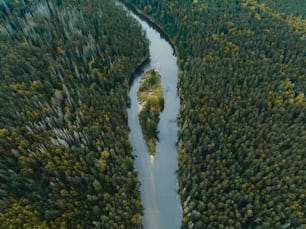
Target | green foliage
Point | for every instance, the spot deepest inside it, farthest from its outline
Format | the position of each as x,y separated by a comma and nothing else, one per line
242,118
287,7
150,98
65,161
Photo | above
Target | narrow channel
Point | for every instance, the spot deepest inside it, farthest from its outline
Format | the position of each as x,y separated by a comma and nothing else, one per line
159,185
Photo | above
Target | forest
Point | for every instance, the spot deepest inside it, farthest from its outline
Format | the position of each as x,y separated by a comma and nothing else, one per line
65,158
242,84
65,69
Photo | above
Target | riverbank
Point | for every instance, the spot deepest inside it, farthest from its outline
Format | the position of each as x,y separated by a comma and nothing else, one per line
139,68
151,22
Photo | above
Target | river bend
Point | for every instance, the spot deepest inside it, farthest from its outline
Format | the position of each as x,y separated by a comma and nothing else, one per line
157,175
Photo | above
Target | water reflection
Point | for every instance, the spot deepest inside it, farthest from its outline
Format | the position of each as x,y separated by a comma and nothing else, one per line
159,187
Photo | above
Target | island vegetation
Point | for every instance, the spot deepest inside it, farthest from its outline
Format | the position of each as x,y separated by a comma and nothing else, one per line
242,83
65,158
151,103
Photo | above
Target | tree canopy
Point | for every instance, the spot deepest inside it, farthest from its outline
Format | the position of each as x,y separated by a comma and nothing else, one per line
65,159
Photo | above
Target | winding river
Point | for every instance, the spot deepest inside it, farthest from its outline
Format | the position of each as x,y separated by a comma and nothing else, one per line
159,186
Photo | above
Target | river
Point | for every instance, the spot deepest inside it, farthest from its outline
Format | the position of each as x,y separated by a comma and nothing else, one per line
157,175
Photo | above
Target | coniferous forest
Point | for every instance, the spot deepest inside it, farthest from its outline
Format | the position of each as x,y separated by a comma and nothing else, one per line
65,68
65,159
242,83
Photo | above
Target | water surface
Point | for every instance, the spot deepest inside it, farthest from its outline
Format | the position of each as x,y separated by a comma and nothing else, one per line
159,186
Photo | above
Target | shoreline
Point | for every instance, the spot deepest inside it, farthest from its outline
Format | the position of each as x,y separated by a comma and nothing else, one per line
151,22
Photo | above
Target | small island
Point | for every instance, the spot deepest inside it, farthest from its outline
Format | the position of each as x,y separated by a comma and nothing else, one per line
151,103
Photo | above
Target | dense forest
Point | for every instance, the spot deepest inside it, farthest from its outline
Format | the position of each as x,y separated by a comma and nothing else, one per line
65,159
65,68
242,83
151,101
